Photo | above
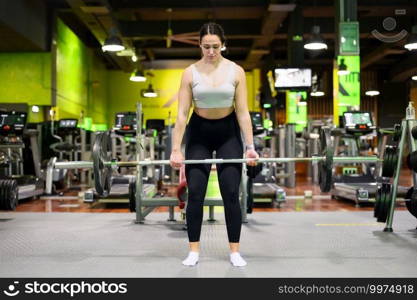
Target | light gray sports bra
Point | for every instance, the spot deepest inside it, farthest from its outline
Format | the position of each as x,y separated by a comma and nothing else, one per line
206,96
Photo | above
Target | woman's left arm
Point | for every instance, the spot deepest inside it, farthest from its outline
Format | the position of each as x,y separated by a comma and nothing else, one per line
242,113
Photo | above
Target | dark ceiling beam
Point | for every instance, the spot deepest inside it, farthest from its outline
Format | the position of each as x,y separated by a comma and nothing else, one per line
195,13
260,47
28,22
279,36
381,10
162,4
139,28
253,12
88,19
404,69
124,56
98,30
380,52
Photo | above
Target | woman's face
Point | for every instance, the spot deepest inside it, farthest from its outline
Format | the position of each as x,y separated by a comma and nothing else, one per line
211,46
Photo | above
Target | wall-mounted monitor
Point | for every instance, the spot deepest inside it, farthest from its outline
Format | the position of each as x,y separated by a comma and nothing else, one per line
291,78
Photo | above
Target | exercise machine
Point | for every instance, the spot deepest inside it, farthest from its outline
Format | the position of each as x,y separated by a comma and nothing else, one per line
358,182
14,185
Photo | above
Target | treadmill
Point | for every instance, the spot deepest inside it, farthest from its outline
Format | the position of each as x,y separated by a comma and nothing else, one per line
262,185
358,188
14,184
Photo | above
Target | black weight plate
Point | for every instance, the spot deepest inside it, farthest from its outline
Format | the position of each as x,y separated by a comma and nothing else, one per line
408,199
13,194
378,199
411,201
414,132
397,133
387,163
6,194
386,202
325,166
390,161
412,161
102,154
380,217
10,196
6,200
2,199
132,196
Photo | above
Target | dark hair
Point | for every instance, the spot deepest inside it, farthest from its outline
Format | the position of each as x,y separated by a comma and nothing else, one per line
212,28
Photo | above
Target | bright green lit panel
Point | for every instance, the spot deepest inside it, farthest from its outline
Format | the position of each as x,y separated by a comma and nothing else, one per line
25,78
81,79
349,85
297,109
71,73
99,127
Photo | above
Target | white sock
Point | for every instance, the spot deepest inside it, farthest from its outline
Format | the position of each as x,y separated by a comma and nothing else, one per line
237,260
191,260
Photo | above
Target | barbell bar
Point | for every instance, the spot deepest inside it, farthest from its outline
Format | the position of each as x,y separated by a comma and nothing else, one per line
147,162
103,164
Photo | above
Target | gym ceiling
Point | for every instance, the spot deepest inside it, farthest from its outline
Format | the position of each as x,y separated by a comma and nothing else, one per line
257,30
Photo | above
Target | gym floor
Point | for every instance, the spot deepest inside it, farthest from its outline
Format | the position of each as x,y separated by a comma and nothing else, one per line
318,237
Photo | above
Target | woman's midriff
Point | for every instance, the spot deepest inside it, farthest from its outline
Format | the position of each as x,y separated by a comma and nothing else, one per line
214,113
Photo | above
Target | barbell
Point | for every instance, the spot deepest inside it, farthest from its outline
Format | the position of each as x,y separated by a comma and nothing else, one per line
103,164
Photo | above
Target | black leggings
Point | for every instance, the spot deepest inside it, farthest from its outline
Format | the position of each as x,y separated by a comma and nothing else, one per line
203,136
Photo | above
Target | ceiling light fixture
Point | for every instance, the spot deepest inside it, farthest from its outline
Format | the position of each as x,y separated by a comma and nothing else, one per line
137,76
317,94
149,92
316,41
113,43
412,39
372,93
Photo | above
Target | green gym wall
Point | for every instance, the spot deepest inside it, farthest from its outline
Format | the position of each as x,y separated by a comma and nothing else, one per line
86,88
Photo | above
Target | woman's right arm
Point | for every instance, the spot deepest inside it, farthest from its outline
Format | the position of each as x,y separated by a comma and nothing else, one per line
184,104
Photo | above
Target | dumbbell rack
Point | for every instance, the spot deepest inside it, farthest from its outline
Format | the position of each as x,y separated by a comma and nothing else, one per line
406,133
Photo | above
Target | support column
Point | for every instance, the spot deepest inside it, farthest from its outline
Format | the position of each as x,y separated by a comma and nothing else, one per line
346,87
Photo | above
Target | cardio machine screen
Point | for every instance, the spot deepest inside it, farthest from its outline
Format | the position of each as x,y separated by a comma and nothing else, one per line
126,121
68,123
292,78
357,118
256,119
12,121
257,125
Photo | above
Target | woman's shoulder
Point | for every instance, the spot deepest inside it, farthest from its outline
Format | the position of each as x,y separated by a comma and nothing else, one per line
187,74
237,67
